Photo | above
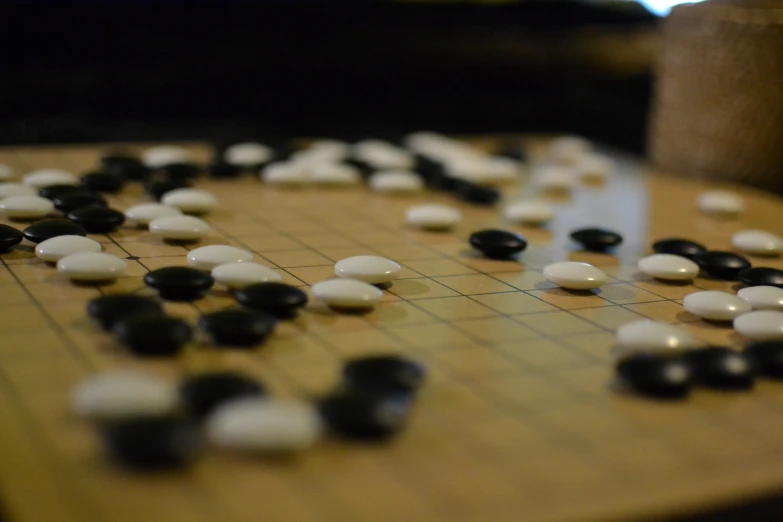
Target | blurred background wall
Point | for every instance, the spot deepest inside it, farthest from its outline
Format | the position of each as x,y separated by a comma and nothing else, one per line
76,71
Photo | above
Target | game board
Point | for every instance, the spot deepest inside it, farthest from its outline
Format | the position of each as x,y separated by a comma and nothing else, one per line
519,420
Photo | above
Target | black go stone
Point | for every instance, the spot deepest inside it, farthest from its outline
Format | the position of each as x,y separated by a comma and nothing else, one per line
152,443
201,394
153,335
364,168
656,376
179,283
721,265
514,152
383,374
71,201
473,193
679,247
498,244
428,168
442,182
53,191
156,189
49,228
767,357
279,299
9,238
596,239
365,416
761,276
112,308
721,368
125,167
238,327
103,182
179,171
223,170
98,220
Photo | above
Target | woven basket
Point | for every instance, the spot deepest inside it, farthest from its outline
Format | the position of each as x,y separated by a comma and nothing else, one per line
718,112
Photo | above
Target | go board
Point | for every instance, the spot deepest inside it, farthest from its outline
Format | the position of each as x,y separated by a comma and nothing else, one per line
519,420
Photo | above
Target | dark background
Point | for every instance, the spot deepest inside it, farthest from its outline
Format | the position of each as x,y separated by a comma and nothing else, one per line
79,71
143,70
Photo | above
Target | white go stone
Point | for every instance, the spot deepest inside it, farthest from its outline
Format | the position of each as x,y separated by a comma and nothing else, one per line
529,212
179,228
92,266
383,155
485,170
396,182
334,174
716,306
48,177
763,325
594,166
758,242
574,275
145,212
425,141
163,155
554,178
123,394
315,156
56,248
375,270
467,167
239,275
433,217
720,202
501,170
346,293
763,297
651,336
210,256
668,267
285,173
247,154
337,149
6,172
568,149
260,425
190,200
26,207
11,188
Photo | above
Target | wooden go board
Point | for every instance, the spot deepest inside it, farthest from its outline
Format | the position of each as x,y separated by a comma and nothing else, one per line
519,420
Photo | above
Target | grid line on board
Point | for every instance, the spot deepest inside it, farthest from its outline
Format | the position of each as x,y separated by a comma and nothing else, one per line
514,398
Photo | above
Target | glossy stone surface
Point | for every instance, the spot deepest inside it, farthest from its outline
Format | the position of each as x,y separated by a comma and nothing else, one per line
179,283
279,299
498,244
49,228
596,239
656,376
9,237
721,265
721,368
762,276
98,220
238,327
679,247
